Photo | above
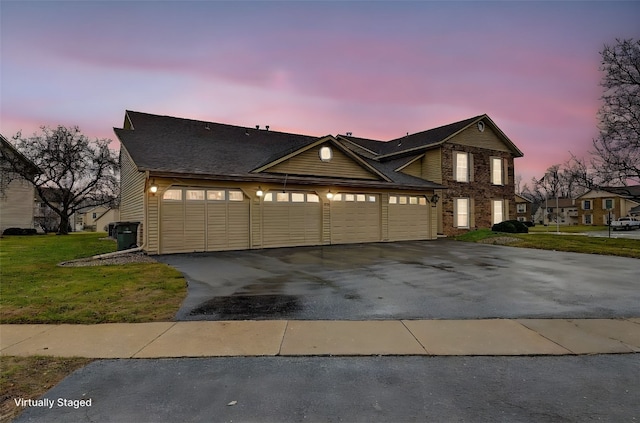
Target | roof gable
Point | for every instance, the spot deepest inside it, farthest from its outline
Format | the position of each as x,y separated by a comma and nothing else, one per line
307,161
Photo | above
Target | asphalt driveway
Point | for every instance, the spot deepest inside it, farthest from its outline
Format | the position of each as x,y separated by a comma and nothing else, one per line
441,279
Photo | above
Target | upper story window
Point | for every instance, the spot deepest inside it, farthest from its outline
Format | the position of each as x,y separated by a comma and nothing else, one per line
522,207
326,154
497,171
607,204
586,205
461,163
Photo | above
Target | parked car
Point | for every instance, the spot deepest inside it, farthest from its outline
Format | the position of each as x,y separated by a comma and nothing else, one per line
625,223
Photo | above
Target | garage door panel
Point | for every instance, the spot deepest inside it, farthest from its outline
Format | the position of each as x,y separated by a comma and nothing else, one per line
355,221
409,221
288,223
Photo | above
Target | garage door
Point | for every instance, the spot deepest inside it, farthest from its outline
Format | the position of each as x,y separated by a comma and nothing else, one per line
355,218
197,219
408,218
291,219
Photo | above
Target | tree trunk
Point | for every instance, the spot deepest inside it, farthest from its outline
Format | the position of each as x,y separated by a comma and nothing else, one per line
63,229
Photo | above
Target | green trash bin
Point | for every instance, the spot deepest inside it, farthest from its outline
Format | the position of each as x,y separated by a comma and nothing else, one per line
127,235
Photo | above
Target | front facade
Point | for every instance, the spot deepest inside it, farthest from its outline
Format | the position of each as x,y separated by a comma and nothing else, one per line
96,218
596,207
524,209
16,194
202,186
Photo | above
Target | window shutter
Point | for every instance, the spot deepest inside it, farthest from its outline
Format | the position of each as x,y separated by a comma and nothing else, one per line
505,212
491,174
505,171
472,214
470,164
455,212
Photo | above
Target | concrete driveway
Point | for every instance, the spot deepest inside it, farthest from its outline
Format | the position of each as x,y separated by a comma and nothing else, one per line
441,279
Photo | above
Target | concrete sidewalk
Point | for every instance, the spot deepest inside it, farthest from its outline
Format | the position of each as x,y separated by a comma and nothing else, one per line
324,338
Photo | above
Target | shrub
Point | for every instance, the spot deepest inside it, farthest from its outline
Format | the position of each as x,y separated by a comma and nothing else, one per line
19,231
529,224
510,226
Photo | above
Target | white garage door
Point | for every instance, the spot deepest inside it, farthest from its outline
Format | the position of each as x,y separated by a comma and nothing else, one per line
408,218
355,218
198,219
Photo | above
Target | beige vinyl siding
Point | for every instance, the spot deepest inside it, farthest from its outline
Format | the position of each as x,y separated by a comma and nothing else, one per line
409,221
16,206
131,189
308,163
414,168
486,139
227,225
291,223
355,221
432,165
172,227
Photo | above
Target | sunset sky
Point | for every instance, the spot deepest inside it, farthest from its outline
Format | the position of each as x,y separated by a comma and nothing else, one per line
376,69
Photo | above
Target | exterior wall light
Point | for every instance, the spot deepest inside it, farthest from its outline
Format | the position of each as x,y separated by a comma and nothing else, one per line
259,193
329,195
434,199
153,188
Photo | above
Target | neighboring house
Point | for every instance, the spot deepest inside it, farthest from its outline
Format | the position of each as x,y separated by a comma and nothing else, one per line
524,209
550,212
203,186
44,216
16,193
96,218
596,207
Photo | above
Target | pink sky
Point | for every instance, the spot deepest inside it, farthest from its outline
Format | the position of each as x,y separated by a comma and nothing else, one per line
376,69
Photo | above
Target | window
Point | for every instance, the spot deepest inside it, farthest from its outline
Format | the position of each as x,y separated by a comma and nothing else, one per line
195,194
462,167
172,195
94,215
349,197
282,197
422,201
521,219
268,196
497,211
361,198
371,198
216,195
326,154
393,199
236,196
608,204
586,205
413,200
522,207
337,197
297,197
587,219
496,171
462,213
313,198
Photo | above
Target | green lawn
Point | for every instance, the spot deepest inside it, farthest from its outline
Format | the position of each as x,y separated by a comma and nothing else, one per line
34,289
551,241
573,229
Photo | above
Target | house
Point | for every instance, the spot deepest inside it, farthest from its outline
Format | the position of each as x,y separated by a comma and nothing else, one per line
524,209
96,218
563,211
597,206
16,193
204,186
44,216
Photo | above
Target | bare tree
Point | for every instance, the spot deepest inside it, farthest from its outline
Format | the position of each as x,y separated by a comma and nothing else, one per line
617,149
75,171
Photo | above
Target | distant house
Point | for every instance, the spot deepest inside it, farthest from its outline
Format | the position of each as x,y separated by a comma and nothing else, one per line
204,186
16,193
96,218
596,207
563,211
44,216
524,209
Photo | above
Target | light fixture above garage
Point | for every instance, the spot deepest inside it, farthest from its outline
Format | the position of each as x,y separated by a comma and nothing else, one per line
434,199
259,193
153,188
329,195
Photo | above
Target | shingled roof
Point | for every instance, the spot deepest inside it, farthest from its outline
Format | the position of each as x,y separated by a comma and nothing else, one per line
176,146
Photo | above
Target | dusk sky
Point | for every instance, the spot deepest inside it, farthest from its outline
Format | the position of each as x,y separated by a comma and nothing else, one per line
376,69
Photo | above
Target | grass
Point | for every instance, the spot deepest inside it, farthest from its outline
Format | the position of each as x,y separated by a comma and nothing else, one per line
35,290
30,378
572,243
572,229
